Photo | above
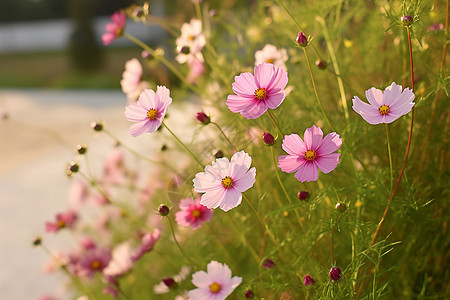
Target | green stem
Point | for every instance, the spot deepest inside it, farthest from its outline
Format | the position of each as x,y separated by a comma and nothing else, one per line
261,221
162,59
178,245
198,11
224,135
184,146
244,240
275,123
315,89
283,188
390,158
289,13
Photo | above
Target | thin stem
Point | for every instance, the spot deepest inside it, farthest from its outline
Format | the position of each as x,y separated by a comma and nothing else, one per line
275,123
261,221
244,240
224,135
332,239
184,146
283,188
377,231
198,10
162,59
178,245
289,13
315,89
390,158
336,67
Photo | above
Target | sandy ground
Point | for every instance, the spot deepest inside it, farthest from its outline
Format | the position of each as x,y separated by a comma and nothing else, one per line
36,144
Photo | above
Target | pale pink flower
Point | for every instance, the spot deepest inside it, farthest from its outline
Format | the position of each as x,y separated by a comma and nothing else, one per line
121,261
196,69
93,260
314,153
270,54
62,220
132,83
148,113
193,213
171,282
191,42
114,29
147,243
215,284
255,94
114,167
224,181
78,193
385,107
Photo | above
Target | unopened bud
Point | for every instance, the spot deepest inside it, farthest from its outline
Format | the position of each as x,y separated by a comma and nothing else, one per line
268,263
268,139
204,118
302,39
81,149
73,167
320,64
146,54
218,154
184,50
303,195
37,241
341,206
249,294
335,273
308,280
163,210
97,126
169,282
407,20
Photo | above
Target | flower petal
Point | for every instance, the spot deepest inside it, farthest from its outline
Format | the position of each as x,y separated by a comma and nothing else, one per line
244,85
213,198
391,93
245,181
375,97
242,158
201,279
290,163
313,137
263,74
275,99
294,145
328,162
329,144
139,128
307,172
367,112
232,199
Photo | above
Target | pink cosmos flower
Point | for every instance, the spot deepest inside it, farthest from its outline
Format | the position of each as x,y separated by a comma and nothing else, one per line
131,83
149,111
255,94
224,181
121,261
93,260
193,213
114,170
191,42
114,29
63,220
147,243
215,284
384,107
270,54
306,157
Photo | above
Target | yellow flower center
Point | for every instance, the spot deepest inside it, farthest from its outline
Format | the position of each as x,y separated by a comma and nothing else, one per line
269,60
152,113
227,182
261,94
310,155
61,224
191,38
383,109
196,213
95,265
215,287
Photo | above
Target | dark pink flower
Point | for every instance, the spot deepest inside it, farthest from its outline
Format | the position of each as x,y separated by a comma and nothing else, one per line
255,94
121,261
93,260
305,158
193,213
114,29
63,220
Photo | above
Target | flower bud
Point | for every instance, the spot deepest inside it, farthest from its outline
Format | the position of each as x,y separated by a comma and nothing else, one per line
97,126
268,139
37,241
203,118
335,273
302,39
73,167
163,210
184,50
146,54
81,149
249,294
407,20
321,65
341,207
164,148
169,282
218,154
308,280
268,263
303,195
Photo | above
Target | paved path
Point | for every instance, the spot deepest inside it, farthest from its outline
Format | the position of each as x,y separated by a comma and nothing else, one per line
33,186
